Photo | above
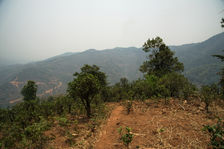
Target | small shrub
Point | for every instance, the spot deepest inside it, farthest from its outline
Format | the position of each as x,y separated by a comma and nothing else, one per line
128,106
70,139
93,124
34,135
216,134
126,135
119,130
208,95
76,122
11,135
62,121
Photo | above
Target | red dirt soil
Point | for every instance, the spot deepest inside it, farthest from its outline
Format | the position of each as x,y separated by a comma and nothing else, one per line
109,130
156,125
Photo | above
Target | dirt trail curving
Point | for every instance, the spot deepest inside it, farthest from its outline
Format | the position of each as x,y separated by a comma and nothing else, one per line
109,131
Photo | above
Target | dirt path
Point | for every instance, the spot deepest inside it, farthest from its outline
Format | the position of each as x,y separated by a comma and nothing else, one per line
109,131
156,125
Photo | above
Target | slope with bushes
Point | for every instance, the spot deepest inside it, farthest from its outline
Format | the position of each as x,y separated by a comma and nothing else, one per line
200,68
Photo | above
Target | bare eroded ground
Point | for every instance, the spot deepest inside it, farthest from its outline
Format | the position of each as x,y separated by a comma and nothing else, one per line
176,125
156,125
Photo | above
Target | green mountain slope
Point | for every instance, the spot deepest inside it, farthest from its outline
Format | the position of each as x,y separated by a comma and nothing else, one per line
200,66
53,74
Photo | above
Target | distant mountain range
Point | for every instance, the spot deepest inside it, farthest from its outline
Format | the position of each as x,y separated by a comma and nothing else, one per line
53,74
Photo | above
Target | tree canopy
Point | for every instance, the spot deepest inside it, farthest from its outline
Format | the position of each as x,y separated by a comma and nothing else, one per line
86,85
29,91
161,60
95,71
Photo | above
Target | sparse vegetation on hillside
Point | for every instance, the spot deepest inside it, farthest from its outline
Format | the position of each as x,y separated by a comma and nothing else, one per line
209,94
30,123
39,123
216,133
52,75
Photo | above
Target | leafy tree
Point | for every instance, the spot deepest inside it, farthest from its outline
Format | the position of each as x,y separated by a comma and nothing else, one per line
221,82
124,88
26,113
152,82
161,59
117,92
47,108
175,83
105,94
63,104
95,71
124,83
140,89
164,92
34,135
209,94
29,91
121,90
189,89
145,88
86,85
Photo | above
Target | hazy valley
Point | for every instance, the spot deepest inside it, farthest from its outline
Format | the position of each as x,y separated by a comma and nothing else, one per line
53,74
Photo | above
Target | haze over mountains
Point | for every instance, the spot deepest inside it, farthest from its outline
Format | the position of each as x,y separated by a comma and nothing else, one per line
53,74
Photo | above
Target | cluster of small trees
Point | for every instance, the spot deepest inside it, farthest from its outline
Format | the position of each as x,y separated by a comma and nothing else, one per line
162,76
23,125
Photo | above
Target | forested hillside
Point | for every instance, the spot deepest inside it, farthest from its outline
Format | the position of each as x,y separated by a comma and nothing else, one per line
163,96
53,74
200,66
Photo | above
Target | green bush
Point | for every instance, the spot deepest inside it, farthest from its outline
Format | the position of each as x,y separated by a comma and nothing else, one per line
34,136
126,135
208,94
11,135
70,139
216,133
174,83
128,106
62,121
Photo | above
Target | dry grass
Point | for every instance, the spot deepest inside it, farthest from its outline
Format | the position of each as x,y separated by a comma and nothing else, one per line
176,125
156,125
79,133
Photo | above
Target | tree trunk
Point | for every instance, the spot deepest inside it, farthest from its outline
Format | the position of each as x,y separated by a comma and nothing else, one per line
69,108
165,101
88,108
206,107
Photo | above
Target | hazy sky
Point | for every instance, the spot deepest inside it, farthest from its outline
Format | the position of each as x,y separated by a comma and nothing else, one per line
38,29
